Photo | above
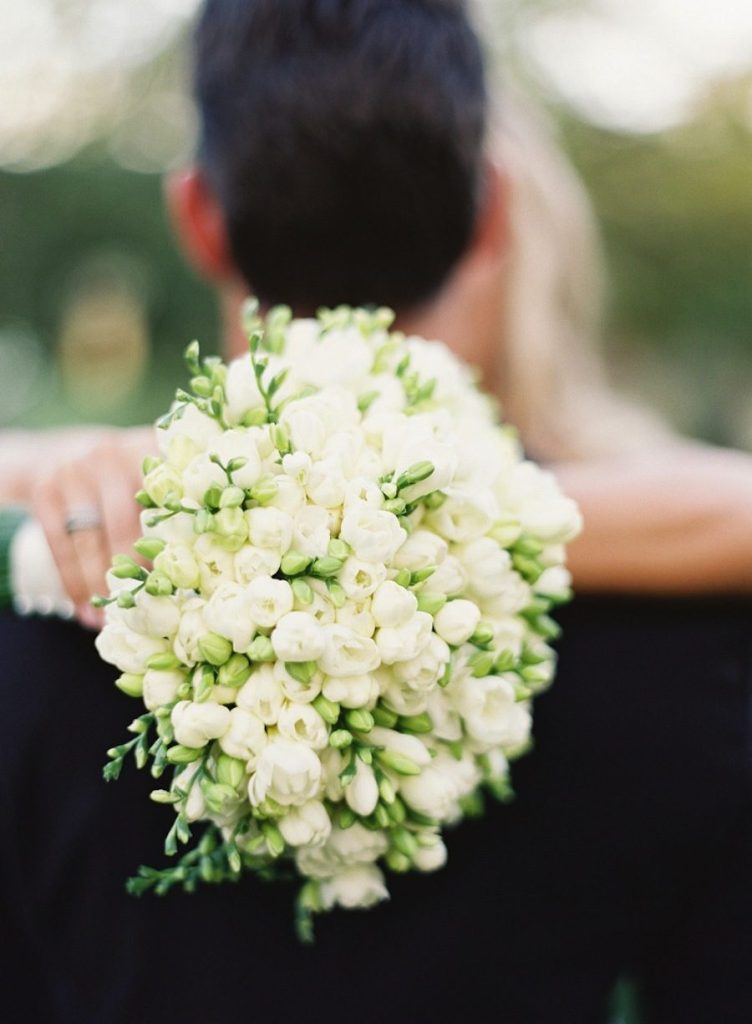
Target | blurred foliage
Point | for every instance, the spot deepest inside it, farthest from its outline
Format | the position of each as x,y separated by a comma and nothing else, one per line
676,216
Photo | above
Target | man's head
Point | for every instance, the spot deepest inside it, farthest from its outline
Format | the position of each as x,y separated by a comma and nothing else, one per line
343,141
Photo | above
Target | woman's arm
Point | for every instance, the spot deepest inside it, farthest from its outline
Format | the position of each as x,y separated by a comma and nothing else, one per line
676,522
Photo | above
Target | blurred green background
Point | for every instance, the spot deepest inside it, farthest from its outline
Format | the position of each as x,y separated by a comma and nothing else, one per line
96,305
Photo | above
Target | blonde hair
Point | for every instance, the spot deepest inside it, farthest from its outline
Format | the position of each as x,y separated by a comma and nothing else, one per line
552,383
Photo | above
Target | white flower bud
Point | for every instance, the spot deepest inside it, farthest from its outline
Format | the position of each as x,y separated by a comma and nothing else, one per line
457,621
431,858
251,561
269,600
178,564
161,687
298,637
245,737
358,886
393,605
360,579
195,724
404,642
374,535
270,528
262,695
287,772
362,793
301,722
128,651
347,653
307,825
228,613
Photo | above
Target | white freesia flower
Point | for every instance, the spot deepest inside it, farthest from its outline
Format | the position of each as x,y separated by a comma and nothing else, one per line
269,600
270,528
195,724
325,483
360,579
363,490
393,605
533,495
421,549
311,532
490,711
297,690
357,617
374,535
127,650
348,358
360,886
200,475
424,671
290,496
401,643
287,772
161,687
298,637
229,613
450,577
215,563
301,722
347,653
245,738
457,621
153,616
443,458
191,423
431,858
192,628
251,561
307,825
356,845
194,807
464,516
352,691
262,695
487,565
179,565
241,391
362,793
438,788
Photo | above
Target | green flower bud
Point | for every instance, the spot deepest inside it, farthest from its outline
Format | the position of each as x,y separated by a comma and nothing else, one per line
158,585
163,484
255,417
231,528
328,709
431,603
183,755
528,546
404,841
338,549
397,861
529,568
264,490
149,547
359,719
203,521
302,590
366,400
280,438
434,500
386,790
340,739
124,568
214,648
164,661
381,815
274,840
201,386
384,717
125,599
421,574
483,634
219,798
230,771
389,490
162,796
261,649
235,671
130,684
416,723
326,566
203,684
505,661
446,675
144,500
336,592
414,474
232,497
293,563
481,663
403,577
397,762
397,811
396,506
506,531
345,816
301,671
535,675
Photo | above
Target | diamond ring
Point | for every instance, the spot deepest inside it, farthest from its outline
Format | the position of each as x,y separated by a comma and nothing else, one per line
82,517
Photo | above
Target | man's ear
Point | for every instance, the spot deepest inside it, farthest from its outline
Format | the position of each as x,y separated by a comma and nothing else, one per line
198,223
490,238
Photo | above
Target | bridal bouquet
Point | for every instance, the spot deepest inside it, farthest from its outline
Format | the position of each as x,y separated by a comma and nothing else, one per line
346,615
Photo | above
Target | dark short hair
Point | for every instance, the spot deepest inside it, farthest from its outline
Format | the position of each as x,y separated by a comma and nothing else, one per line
343,139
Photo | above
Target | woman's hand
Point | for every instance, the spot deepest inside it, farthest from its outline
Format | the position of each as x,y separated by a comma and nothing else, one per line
88,512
